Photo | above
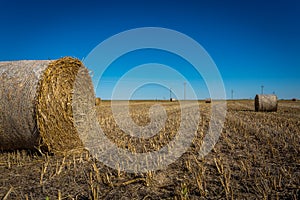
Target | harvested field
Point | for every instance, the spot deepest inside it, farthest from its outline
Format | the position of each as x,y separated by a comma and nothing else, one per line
256,157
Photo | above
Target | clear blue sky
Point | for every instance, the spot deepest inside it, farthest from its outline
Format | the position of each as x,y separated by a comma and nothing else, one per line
252,42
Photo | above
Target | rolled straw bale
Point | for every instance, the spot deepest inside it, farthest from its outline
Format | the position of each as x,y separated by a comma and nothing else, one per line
208,100
36,103
97,101
266,102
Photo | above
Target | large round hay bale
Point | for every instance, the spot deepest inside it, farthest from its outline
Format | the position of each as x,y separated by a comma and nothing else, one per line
266,103
36,108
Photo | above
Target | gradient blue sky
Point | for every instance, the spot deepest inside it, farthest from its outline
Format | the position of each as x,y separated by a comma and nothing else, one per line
253,43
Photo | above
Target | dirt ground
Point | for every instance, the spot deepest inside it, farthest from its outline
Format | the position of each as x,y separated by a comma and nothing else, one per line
256,157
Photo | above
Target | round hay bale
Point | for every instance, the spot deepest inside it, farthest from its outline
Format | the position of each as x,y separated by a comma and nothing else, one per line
208,100
36,103
97,101
294,99
172,99
266,103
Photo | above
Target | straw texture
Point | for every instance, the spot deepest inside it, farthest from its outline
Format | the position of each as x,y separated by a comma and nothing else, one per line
36,109
266,103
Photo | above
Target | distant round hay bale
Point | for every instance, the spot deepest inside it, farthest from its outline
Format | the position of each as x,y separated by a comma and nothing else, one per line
294,99
208,100
266,103
97,101
36,103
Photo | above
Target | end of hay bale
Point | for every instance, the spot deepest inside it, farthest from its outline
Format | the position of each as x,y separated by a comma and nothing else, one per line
97,101
55,103
266,103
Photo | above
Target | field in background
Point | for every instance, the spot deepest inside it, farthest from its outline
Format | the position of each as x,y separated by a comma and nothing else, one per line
256,157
